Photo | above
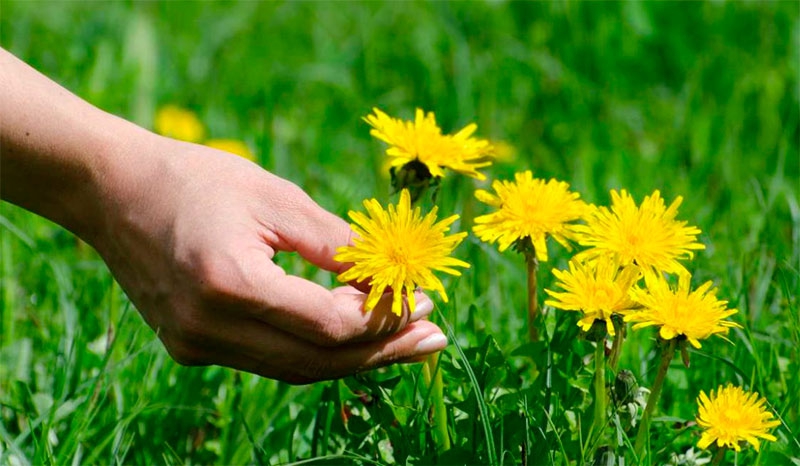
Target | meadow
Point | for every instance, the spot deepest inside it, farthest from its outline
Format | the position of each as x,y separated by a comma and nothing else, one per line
698,100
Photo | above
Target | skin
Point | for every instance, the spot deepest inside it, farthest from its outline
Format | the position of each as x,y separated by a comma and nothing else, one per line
190,232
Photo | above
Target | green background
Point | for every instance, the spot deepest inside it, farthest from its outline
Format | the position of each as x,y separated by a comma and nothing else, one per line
698,100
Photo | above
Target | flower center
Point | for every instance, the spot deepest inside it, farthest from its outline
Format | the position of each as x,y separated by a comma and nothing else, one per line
633,240
603,295
604,298
732,415
398,254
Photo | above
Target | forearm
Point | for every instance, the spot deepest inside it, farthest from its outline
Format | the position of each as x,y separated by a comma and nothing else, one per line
189,232
58,154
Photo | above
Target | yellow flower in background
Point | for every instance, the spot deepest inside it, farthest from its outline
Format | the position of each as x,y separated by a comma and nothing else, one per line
503,151
179,123
233,146
599,289
696,315
648,236
422,140
399,248
531,208
731,416
182,124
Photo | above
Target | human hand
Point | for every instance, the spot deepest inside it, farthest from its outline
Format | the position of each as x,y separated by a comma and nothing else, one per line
190,233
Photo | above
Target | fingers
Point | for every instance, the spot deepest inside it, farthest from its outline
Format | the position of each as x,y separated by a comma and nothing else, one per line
325,234
327,318
275,354
295,222
252,345
307,228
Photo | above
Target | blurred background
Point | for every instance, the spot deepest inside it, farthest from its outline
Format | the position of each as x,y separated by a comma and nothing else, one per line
697,99
596,93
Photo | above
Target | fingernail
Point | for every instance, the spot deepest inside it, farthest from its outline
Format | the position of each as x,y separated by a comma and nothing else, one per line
423,308
431,344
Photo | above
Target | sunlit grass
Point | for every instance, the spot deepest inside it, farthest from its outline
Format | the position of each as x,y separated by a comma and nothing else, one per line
695,99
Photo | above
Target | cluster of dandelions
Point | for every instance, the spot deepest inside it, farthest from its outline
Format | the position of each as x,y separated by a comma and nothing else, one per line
625,272
184,125
399,248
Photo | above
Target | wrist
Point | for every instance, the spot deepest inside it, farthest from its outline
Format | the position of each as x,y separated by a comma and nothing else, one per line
115,173
61,157
125,178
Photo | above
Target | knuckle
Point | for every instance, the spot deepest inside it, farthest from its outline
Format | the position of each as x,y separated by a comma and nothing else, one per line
389,355
185,354
217,276
190,326
295,192
331,330
290,196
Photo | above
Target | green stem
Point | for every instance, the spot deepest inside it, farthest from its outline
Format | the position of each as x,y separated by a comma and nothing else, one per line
616,347
433,379
533,307
667,353
719,456
599,423
431,371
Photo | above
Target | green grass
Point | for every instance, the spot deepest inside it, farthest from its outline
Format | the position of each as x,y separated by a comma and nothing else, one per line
699,100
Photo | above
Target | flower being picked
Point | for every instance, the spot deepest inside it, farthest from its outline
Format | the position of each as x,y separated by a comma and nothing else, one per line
531,208
648,235
599,289
422,141
399,248
179,123
731,416
695,315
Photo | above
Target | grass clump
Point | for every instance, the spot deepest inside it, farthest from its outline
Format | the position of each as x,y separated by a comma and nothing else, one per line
697,100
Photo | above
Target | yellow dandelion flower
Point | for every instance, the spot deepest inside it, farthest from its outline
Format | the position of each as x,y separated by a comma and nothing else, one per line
529,208
731,416
648,236
695,315
599,289
179,123
233,146
399,248
422,140
503,151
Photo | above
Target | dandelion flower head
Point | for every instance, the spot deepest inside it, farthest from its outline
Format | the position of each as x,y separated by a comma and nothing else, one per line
695,315
503,151
599,289
731,415
233,146
422,140
648,235
179,123
399,248
529,207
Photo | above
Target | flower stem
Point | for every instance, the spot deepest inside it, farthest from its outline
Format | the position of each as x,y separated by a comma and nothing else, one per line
719,456
616,347
431,371
533,308
667,353
433,379
599,423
